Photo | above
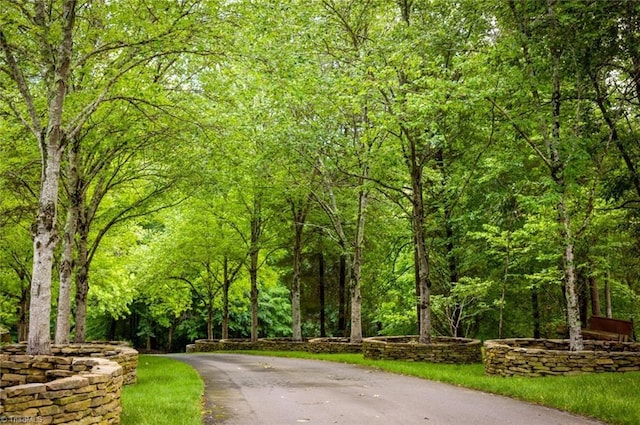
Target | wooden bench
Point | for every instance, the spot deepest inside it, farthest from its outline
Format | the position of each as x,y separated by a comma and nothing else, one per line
604,328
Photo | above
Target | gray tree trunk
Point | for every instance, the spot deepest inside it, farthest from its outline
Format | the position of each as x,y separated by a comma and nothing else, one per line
51,141
607,295
44,244
254,253
571,291
226,284
295,283
63,320
358,247
82,283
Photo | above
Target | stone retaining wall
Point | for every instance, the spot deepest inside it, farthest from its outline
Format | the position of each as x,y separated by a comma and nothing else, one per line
334,346
540,357
282,344
121,353
59,390
239,344
316,345
440,350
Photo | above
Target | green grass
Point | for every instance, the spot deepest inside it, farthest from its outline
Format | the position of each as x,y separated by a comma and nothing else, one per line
168,392
611,397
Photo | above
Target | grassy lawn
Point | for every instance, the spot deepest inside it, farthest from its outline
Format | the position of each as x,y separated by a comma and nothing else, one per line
169,392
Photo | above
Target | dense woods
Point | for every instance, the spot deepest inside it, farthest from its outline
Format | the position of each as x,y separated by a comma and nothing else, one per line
173,170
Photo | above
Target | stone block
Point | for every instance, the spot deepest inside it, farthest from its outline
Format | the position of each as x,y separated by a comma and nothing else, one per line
22,390
69,383
78,406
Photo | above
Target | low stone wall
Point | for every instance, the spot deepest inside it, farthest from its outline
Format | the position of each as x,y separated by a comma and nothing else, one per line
282,344
334,345
239,344
541,357
204,346
440,350
121,353
59,390
316,345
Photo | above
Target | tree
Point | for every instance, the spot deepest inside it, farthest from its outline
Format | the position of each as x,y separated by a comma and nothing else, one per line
52,50
63,61
550,60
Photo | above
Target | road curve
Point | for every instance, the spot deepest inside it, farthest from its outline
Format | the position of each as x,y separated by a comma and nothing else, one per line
259,390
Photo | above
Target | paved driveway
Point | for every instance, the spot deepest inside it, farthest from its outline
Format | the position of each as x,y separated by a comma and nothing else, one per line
258,390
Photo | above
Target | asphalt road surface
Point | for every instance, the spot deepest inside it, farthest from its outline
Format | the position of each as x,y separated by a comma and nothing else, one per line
258,390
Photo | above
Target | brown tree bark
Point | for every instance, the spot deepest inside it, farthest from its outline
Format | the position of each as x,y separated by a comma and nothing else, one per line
356,295
321,291
82,278
254,253
342,300
299,215
226,285
595,296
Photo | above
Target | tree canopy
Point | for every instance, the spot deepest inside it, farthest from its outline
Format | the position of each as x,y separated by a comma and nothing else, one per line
173,170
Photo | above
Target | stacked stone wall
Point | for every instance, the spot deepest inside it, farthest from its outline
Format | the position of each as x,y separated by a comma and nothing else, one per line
316,345
282,344
205,345
541,357
121,353
440,350
334,346
59,390
266,344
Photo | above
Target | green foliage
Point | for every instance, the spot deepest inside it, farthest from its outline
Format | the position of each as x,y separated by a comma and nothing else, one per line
464,305
275,312
229,111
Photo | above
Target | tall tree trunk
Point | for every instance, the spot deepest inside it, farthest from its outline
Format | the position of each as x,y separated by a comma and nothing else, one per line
505,279
573,314
595,296
607,294
535,308
82,279
321,291
254,253
63,320
23,314
210,319
416,276
420,240
298,226
44,244
356,296
253,275
226,284
342,301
